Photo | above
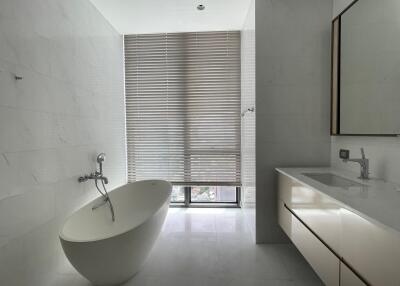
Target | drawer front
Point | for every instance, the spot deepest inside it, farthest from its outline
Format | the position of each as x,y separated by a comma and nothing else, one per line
348,278
321,259
372,249
285,219
318,211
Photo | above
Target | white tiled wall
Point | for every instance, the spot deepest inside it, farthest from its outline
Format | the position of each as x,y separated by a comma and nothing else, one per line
292,97
384,153
68,107
248,144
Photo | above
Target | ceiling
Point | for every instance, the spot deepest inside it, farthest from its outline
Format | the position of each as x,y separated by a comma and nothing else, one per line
159,16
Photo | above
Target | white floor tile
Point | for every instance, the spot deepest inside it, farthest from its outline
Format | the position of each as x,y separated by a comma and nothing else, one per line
207,247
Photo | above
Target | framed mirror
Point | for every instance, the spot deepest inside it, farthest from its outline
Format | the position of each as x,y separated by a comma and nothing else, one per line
365,89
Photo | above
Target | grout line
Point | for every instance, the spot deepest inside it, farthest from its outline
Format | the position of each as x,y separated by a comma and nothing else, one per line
6,159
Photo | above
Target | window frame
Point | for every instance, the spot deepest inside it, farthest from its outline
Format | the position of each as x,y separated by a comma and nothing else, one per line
188,203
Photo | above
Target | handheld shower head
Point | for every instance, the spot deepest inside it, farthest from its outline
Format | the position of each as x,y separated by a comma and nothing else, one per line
100,159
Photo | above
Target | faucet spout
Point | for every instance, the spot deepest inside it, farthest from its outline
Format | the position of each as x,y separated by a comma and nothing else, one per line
364,165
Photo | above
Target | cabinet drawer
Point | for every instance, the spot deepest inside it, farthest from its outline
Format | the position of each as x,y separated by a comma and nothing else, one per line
318,211
321,259
372,249
348,278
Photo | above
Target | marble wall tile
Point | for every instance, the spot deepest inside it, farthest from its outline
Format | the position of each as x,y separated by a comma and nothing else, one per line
7,82
248,127
7,131
68,108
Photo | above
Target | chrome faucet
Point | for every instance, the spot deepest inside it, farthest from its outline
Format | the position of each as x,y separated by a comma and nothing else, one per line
364,164
93,176
98,176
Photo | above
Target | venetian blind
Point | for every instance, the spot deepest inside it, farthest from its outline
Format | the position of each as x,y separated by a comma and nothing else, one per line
183,107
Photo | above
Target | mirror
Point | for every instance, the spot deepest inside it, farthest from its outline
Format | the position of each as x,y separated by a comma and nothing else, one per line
366,69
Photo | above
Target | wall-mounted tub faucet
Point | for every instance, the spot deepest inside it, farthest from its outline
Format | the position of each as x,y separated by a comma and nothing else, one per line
98,176
364,162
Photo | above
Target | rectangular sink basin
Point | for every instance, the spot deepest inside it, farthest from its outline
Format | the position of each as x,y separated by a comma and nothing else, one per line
333,180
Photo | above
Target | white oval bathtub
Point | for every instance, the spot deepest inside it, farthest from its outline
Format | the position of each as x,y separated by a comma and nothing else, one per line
110,253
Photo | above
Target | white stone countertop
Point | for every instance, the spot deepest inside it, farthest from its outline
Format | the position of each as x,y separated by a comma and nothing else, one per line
376,200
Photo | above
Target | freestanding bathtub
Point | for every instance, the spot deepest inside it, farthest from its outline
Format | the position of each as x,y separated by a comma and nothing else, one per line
110,253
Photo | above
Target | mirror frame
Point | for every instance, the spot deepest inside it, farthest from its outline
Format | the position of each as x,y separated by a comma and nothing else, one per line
335,77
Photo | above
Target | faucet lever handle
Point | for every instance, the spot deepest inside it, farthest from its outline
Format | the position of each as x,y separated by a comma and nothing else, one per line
362,153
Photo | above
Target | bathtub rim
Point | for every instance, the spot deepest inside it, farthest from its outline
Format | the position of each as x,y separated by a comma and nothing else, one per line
63,237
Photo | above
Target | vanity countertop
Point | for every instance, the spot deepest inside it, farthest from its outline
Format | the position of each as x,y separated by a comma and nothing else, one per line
376,200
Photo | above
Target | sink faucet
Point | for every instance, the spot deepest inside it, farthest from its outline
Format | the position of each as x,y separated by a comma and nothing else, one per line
364,162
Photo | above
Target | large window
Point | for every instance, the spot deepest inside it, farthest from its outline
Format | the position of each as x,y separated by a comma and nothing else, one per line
205,195
183,111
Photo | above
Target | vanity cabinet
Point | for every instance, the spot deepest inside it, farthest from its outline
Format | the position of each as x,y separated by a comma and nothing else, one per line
335,239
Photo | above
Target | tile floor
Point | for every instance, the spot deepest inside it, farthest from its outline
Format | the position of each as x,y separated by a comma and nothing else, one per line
207,247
